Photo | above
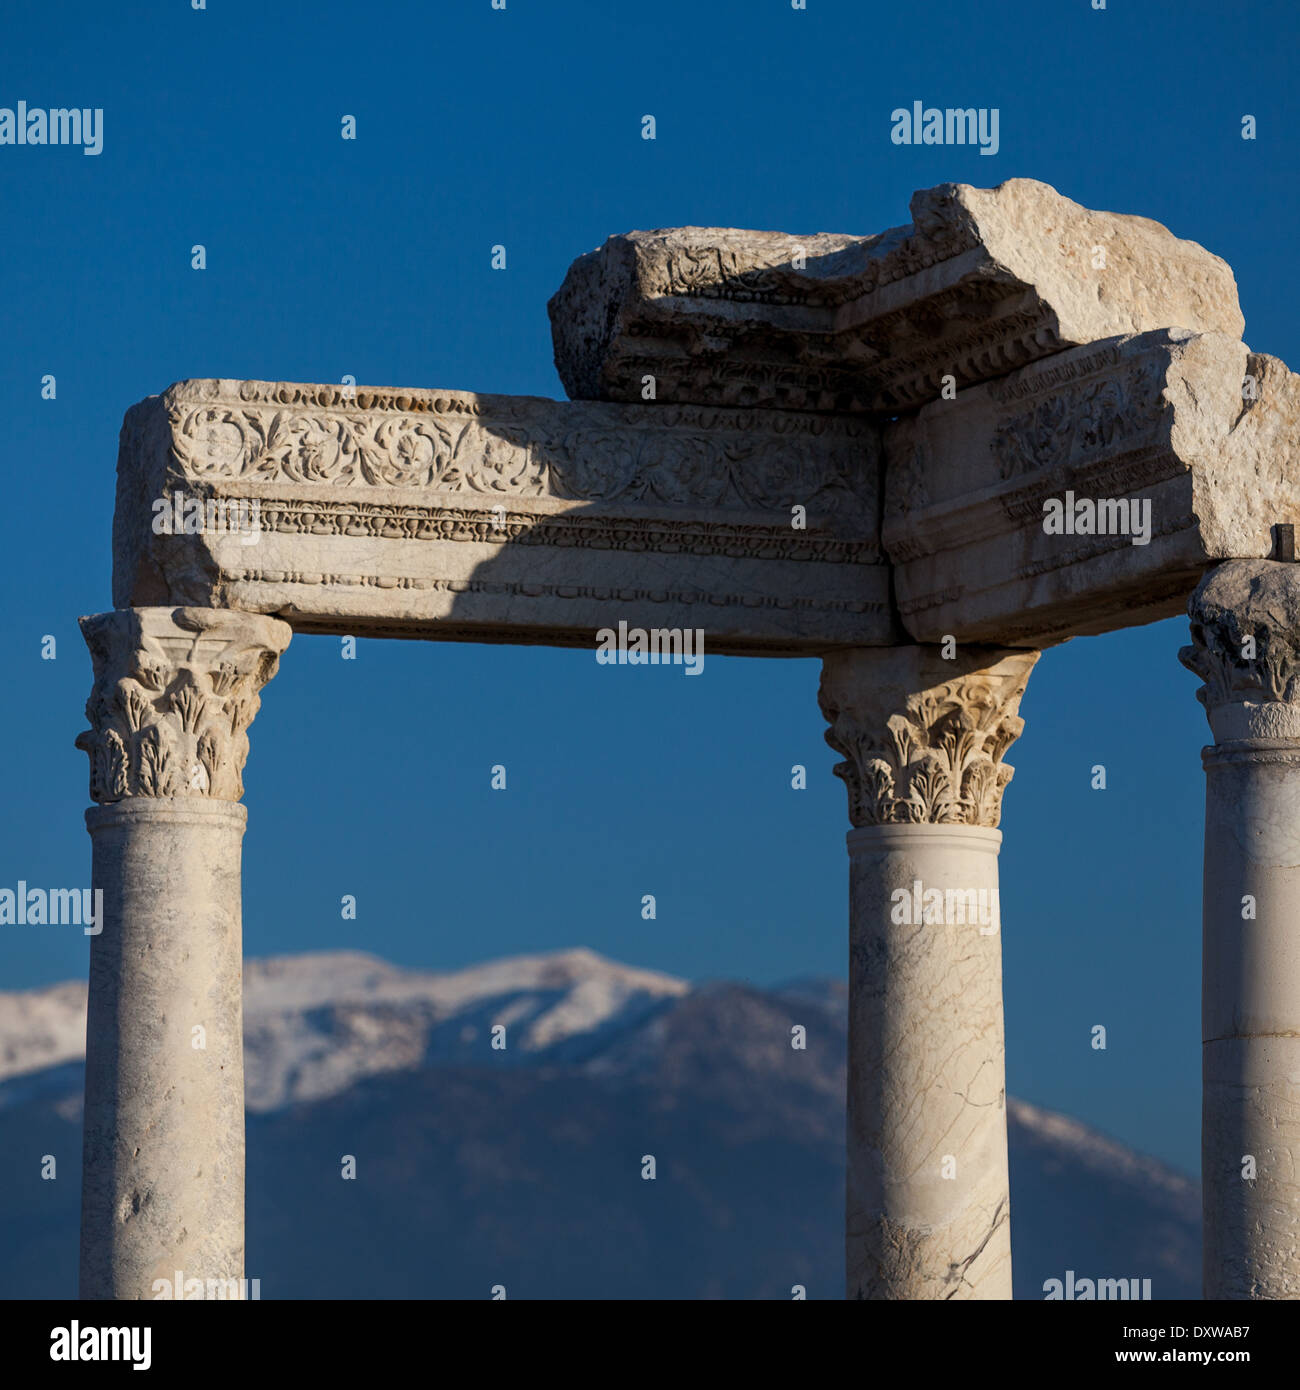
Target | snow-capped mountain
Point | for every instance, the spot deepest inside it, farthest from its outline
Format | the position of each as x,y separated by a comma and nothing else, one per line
520,1163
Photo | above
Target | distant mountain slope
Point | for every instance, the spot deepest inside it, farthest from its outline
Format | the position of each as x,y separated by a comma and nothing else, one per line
523,1166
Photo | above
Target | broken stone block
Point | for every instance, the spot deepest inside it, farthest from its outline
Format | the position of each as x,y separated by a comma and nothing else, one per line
1090,490
983,281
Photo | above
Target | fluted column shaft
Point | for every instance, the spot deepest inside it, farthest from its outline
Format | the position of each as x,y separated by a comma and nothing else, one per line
163,1152
1246,648
927,1206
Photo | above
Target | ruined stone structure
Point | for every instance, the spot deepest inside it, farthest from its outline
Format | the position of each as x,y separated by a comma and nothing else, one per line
849,447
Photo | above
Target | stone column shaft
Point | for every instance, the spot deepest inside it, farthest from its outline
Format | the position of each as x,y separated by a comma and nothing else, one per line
1246,647
928,1211
163,1151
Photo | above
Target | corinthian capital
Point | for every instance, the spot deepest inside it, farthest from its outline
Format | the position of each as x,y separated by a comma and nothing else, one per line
1245,621
175,691
924,738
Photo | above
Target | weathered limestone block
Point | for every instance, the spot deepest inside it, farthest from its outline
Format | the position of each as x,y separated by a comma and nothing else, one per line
1245,625
163,1164
1011,512
495,518
982,281
928,1211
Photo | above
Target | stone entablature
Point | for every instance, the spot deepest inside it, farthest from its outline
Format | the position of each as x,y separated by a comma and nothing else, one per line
501,518
522,519
1193,429
495,518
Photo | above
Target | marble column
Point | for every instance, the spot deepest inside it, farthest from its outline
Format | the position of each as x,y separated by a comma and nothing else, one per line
928,1213
1245,620
163,1154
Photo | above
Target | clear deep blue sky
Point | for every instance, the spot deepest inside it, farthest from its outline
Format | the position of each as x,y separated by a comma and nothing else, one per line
372,258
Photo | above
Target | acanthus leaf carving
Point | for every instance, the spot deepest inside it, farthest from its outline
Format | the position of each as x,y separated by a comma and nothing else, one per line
927,756
656,455
174,693
1245,617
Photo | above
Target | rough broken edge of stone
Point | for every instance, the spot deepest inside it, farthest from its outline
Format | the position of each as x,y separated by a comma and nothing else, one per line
1157,416
417,554
983,281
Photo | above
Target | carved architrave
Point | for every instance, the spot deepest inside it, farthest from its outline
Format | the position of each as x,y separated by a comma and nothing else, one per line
921,753
174,694
449,512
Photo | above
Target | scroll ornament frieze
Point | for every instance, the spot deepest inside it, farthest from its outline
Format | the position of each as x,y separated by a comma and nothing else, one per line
939,760
646,465
736,266
175,691
1069,425
731,266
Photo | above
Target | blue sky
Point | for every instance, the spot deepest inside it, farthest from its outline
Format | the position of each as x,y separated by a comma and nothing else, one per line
372,258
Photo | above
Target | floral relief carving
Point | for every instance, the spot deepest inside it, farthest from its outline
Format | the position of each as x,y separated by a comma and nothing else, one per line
1069,425
660,458
756,267
175,691
939,759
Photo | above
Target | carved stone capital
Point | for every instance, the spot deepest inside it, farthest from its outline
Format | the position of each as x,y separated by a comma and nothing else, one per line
924,738
1245,624
175,691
